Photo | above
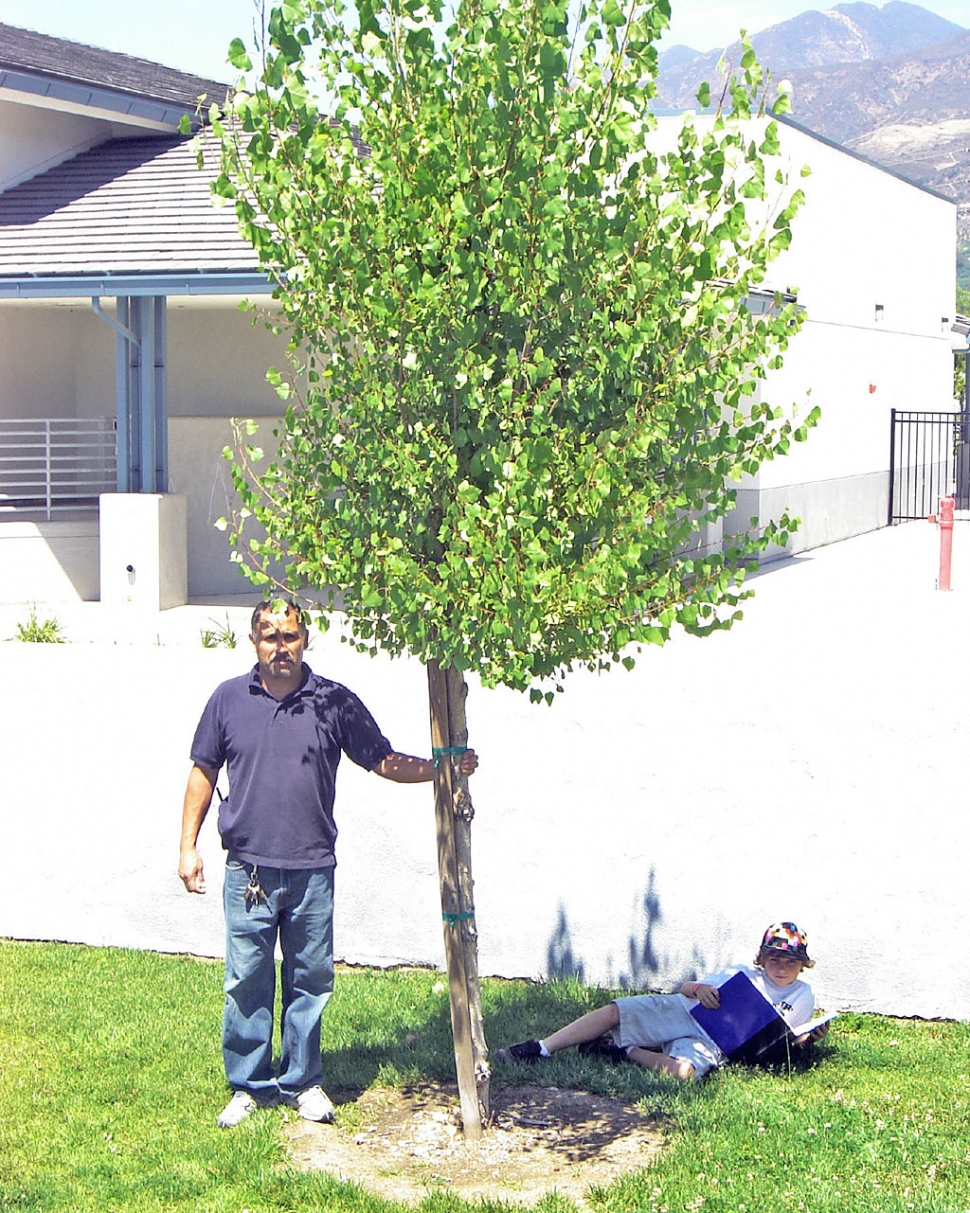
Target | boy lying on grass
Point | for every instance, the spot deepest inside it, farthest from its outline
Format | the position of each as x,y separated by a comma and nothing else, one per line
645,1023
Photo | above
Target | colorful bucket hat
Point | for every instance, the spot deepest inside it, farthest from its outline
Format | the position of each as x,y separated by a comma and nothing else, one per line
786,937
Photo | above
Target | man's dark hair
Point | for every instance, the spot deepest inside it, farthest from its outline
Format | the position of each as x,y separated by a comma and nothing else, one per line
282,604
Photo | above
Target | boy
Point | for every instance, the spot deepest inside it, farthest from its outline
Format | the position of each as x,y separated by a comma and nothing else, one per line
645,1023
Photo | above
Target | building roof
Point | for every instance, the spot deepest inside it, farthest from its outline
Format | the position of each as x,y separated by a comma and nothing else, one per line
55,68
125,208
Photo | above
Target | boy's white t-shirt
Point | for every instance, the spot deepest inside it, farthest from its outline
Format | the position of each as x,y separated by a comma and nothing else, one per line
794,1003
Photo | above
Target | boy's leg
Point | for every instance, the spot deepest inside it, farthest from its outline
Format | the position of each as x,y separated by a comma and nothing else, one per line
660,1061
587,1027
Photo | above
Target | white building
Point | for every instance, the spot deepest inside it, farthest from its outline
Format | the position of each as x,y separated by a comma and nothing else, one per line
873,262
119,291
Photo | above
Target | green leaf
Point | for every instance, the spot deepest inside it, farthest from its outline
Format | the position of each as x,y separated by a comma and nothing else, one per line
238,56
612,14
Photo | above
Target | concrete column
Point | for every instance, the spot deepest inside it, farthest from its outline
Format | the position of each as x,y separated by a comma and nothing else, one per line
144,559
712,537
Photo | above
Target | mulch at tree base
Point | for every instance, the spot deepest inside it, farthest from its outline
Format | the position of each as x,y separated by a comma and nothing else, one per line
542,1139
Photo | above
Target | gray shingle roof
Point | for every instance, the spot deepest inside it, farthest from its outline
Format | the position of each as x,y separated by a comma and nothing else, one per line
63,62
128,206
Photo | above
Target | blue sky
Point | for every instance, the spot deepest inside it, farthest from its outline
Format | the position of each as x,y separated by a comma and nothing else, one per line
193,34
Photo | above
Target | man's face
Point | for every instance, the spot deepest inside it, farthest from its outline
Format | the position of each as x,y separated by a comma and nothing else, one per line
279,640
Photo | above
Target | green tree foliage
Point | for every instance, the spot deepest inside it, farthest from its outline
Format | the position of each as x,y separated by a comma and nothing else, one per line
963,263
528,379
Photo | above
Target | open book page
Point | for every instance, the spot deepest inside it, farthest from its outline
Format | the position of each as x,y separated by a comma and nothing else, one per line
817,1021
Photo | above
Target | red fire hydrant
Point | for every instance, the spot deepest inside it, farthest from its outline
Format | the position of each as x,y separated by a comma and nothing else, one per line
946,541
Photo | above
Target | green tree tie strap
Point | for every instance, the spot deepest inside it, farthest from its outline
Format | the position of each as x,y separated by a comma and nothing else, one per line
454,919
447,751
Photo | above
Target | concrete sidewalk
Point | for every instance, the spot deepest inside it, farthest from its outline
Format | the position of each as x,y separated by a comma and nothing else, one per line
806,764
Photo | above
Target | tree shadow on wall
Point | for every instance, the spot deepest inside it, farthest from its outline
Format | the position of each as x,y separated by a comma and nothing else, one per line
641,953
562,961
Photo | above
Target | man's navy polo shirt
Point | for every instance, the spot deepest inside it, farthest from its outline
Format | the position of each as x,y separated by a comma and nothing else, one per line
282,757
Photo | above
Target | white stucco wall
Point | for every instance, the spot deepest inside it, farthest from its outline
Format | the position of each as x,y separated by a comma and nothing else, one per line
200,473
218,359
53,561
863,237
809,764
56,360
34,137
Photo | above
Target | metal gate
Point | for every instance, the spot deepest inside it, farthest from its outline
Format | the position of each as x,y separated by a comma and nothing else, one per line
928,459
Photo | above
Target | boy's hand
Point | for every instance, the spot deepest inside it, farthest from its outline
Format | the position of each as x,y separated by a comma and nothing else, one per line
707,996
811,1038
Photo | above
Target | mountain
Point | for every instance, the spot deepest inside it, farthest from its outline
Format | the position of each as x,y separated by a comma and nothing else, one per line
892,84
850,101
910,113
848,33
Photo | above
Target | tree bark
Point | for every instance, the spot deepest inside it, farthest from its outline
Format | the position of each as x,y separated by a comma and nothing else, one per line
453,813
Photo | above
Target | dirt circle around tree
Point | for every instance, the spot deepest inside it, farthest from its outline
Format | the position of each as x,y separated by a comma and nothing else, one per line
408,1143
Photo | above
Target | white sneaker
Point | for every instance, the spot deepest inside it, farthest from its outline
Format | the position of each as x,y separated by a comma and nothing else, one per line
236,1110
314,1104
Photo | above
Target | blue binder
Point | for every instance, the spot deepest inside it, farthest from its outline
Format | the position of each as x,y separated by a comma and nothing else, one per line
746,1027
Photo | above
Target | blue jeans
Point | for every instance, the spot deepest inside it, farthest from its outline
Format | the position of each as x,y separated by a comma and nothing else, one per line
297,909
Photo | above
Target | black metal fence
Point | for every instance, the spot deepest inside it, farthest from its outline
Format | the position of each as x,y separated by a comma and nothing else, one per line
928,459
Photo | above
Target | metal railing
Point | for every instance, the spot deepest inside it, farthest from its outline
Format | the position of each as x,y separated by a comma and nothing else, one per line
52,465
928,460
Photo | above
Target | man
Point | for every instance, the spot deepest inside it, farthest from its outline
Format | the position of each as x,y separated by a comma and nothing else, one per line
280,730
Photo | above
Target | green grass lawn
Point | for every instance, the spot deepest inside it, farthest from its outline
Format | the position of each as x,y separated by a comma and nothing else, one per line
111,1079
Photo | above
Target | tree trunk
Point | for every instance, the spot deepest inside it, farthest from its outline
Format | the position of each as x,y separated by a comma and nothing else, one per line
453,813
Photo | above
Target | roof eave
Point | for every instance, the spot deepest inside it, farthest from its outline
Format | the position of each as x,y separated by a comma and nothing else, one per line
70,97
83,286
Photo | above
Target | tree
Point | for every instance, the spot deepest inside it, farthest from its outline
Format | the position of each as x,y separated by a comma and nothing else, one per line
529,374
